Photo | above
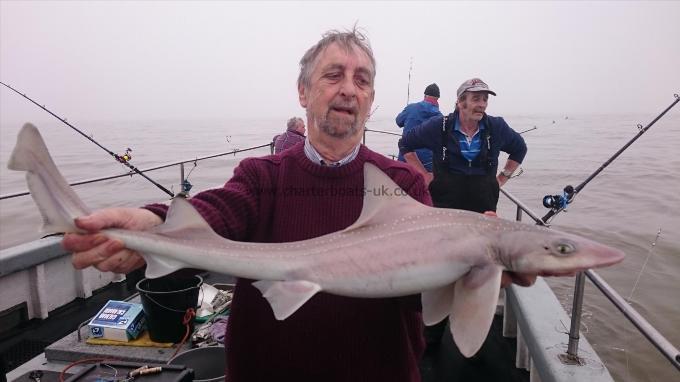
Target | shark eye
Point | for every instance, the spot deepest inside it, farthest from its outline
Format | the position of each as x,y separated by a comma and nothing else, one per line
563,248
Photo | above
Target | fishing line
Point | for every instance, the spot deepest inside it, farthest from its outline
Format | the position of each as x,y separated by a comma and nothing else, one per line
630,296
649,254
371,113
124,159
558,203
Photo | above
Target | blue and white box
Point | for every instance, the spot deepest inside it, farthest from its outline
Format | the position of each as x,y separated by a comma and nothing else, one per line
118,321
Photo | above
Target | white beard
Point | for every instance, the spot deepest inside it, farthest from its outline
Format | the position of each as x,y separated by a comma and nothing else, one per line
337,127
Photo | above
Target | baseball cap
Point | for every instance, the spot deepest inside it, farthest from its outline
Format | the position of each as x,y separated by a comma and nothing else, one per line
474,85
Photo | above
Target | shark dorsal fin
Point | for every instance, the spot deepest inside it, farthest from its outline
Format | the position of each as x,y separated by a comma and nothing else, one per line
384,200
182,218
181,222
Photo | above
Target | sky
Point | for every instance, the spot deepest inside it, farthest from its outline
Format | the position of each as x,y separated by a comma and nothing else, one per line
120,60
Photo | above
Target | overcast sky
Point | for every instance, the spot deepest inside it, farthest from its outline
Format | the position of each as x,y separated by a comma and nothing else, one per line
220,60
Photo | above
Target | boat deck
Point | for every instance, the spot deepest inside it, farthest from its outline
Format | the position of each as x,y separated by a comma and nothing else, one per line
56,336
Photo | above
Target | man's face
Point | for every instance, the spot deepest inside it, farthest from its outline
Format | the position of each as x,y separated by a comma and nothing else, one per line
340,93
300,126
474,106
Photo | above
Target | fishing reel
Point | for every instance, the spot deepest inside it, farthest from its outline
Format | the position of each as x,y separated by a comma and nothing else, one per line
186,186
559,202
125,157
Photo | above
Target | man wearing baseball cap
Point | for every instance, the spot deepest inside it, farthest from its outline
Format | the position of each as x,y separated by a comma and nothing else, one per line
413,115
466,145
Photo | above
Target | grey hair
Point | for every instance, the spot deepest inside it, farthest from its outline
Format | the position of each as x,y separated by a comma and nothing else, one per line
292,123
461,98
347,40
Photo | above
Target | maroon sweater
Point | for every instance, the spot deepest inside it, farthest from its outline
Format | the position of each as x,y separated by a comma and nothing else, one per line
286,197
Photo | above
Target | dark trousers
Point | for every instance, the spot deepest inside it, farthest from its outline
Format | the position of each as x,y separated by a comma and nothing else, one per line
478,193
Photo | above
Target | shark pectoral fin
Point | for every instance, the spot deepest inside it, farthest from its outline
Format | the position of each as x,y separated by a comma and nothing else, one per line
285,297
476,297
437,304
157,266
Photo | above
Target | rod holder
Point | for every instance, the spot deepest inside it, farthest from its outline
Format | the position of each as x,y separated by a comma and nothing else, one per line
577,307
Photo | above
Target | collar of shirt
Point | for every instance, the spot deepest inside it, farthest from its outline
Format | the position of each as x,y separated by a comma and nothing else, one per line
295,132
431,101
314,156
480,127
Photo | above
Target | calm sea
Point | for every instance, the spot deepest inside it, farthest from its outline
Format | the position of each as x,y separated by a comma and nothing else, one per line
626,206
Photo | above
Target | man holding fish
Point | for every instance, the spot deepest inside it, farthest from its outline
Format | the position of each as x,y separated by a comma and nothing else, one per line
330,337
342,226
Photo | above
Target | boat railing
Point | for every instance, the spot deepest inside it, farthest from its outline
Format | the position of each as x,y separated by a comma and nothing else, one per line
643,326
525,315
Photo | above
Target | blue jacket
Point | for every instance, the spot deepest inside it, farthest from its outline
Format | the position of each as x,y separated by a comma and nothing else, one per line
413,115
500,138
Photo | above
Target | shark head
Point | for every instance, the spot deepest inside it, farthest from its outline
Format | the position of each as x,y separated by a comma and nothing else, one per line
550,252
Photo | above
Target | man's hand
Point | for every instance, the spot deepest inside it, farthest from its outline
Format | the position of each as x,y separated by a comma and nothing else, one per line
429,177
96,249
520,279
502,179
510,167
412,159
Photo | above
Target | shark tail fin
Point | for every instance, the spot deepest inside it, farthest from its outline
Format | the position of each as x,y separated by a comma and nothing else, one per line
30,146
57,202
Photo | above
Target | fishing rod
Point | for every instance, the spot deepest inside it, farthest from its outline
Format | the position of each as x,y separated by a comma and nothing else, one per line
528,130
408,88
557,203
124,158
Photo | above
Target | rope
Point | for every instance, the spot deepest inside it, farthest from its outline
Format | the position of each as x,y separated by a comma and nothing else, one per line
80,361
186,320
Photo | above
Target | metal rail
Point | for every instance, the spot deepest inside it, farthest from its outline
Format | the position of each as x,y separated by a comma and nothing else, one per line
382,132
656,338
523,207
